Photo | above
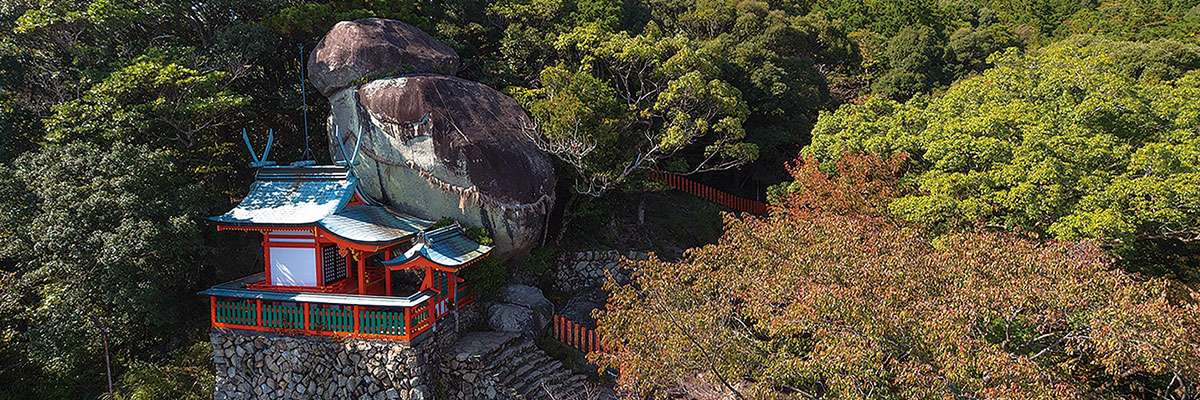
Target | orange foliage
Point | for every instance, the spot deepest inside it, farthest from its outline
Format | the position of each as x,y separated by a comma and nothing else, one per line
862,183
827,298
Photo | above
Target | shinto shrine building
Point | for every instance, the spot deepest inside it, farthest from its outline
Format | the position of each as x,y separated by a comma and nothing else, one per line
335,264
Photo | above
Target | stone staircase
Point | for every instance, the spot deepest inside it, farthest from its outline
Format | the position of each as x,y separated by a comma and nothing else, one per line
497,365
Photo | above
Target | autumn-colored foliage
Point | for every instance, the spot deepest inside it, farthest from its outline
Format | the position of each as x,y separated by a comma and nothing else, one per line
862,184
828,299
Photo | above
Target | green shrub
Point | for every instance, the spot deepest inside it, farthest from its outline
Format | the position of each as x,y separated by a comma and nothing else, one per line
187,375
541,260
486,277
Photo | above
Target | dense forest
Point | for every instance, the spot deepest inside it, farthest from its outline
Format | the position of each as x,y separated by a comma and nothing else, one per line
1023,176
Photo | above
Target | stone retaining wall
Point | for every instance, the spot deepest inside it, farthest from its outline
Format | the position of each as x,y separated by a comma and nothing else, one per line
586,269
267,365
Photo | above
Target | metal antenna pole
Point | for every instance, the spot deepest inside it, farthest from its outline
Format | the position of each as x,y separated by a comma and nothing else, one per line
307,155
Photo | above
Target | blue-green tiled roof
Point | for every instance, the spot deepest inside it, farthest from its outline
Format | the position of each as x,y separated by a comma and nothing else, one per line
446,246
317,195
292,196
369,224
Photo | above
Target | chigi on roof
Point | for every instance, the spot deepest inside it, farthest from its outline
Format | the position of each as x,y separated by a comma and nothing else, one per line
321,200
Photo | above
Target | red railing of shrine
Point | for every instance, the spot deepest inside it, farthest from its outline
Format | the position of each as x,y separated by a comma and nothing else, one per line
709,193
575,335
314,319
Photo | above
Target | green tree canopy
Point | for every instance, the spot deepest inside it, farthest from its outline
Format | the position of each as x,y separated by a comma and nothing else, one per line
100,238
1073,141
667,97
700,87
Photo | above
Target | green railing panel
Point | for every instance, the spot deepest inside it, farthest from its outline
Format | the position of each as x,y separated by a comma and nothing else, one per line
381,322
419,316
236,312
463,292
323,319
331,319
282,316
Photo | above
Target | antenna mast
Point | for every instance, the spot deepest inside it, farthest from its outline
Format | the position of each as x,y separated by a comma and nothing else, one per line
307,154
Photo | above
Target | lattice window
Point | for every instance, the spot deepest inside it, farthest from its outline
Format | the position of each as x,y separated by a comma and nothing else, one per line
333,265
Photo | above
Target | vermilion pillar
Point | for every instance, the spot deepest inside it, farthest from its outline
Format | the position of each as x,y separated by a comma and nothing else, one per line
387,281
362,274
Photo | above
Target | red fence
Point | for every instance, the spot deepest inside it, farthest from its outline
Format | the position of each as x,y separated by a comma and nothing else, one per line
324,319
575,335
709,193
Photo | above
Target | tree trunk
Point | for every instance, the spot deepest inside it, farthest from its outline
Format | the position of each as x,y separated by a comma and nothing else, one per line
572,201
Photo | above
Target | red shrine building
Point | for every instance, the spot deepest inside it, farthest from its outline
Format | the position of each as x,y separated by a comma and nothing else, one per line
335,264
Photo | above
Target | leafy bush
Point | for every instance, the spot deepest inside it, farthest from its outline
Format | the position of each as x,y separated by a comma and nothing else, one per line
486,277
541,260
186,376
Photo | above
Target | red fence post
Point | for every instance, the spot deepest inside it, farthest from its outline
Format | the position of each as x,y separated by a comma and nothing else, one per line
356,327
307,316
578,335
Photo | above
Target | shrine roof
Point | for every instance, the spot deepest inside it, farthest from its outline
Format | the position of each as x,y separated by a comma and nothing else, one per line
289,196
447,246
292,196
365,223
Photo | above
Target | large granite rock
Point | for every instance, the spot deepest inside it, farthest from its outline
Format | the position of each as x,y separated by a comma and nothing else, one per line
527,296
437,146
372,47
522,309
505,317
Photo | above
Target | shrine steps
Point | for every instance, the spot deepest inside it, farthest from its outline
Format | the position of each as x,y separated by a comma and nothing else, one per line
494,365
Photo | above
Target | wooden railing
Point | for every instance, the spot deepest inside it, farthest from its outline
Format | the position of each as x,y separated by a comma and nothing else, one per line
404,323
709,193
310,318
575,335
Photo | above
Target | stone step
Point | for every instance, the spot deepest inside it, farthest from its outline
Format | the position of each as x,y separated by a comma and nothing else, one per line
552,377
521,359
522,371
506,355
535,362
575,382
482,344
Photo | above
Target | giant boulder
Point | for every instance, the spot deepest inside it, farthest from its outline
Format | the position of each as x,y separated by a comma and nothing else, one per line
433,146
370,47
437,146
